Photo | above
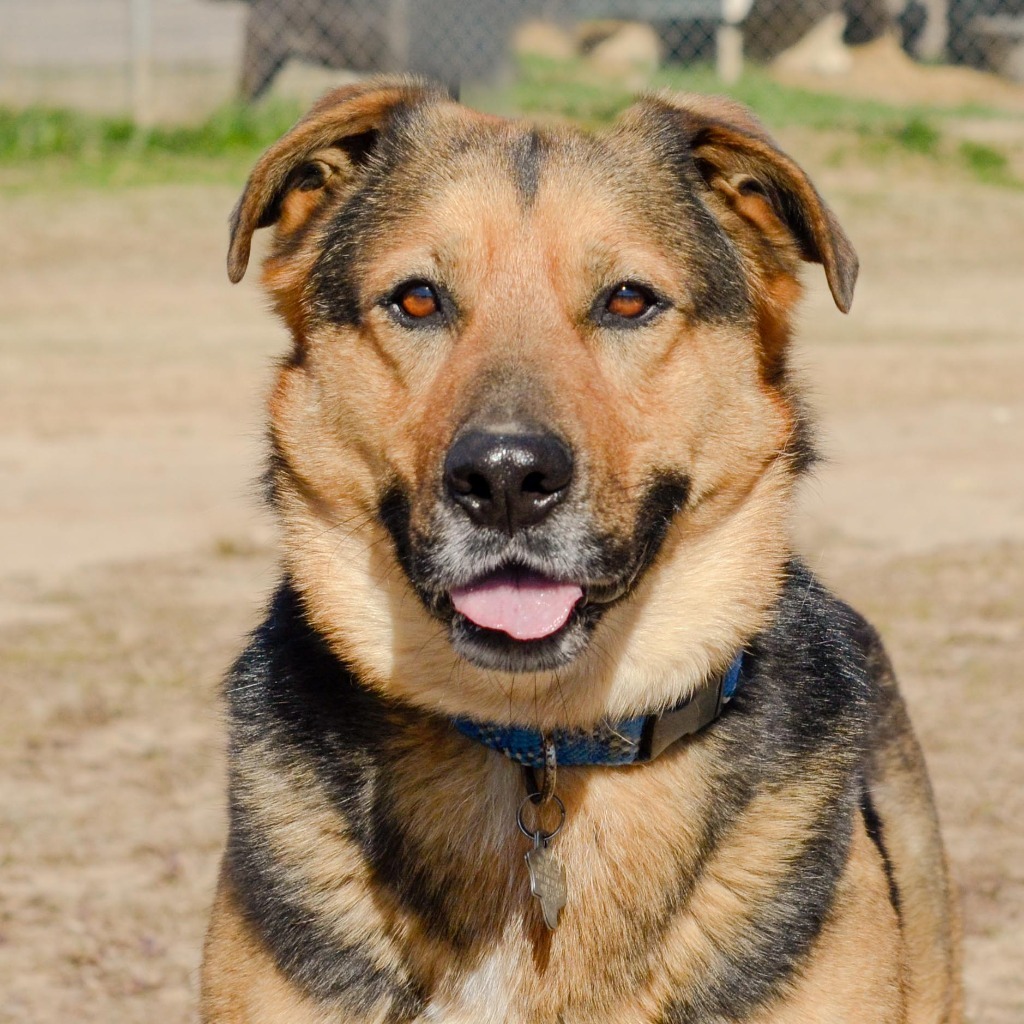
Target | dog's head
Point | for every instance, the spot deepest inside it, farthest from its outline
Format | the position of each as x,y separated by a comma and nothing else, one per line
534,446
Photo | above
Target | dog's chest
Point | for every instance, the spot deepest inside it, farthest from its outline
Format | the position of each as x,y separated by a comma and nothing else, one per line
488,994
626,871
524,978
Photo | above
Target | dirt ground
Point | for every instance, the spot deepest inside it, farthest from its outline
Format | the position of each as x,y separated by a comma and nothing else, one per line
134,557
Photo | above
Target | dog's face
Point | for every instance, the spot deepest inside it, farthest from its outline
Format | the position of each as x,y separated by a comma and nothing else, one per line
534,446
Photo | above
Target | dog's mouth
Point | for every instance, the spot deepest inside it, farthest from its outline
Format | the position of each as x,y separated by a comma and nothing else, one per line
530,601
517,619
518,602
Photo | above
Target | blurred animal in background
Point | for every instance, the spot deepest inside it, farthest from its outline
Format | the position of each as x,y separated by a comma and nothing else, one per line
448,41
452,41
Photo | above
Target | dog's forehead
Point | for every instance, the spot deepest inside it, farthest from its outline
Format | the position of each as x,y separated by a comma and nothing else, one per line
478,194
446,146
448,178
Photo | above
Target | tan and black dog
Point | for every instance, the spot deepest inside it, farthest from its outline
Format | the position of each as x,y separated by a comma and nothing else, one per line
533,454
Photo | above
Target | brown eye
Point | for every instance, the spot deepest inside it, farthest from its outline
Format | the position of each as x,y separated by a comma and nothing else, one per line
418,301
629,302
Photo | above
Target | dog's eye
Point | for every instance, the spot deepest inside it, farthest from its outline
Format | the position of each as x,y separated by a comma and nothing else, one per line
629,301
418,300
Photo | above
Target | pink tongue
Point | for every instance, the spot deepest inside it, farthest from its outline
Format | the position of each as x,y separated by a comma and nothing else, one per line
524,605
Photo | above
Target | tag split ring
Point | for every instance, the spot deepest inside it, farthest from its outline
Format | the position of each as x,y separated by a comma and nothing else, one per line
535,799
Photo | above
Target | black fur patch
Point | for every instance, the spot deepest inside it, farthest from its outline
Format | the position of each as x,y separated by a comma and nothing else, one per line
393,511
276,467
334,279
322,967
333,282
714,267
663,500
290,690
527,158
803,710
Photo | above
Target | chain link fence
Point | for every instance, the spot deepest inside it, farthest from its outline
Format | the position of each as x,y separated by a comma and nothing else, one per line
162,59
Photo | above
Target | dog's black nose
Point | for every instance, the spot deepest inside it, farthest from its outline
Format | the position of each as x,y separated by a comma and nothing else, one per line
507,479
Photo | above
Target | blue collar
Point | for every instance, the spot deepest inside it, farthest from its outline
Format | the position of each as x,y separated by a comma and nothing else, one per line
630,742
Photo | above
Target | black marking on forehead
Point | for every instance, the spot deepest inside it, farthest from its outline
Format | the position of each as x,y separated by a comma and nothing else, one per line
527,155
333,283
412,161
720,290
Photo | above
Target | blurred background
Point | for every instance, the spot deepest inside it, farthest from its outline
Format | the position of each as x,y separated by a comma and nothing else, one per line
134,553
180,59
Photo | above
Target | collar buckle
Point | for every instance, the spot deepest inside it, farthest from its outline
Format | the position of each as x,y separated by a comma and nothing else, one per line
661,731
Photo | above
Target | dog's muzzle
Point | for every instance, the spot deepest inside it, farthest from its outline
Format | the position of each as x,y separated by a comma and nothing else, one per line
509,480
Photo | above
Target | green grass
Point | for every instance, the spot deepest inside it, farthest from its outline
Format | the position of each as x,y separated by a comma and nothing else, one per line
42,146
917,135
567,89
45,144
987,164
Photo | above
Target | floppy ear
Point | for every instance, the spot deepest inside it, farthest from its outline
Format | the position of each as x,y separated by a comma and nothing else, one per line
737,159
324,149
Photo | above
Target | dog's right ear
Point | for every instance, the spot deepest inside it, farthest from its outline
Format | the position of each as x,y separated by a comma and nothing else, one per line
741,164
326,147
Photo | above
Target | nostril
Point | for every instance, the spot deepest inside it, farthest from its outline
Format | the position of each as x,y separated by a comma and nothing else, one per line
478,487
466,482
534,483
551,471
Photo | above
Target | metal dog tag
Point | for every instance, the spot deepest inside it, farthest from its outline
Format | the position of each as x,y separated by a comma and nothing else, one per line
547,879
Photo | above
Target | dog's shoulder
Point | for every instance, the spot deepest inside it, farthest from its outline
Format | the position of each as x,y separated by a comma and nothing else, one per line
813,676
843,662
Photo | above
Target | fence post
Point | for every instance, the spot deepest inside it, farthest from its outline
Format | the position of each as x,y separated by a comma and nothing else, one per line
729,40
141,61
398,35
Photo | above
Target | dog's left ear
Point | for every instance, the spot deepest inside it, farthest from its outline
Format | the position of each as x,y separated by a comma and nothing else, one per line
739,161
327,146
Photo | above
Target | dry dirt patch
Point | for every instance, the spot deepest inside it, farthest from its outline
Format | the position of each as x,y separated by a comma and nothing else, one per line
133,559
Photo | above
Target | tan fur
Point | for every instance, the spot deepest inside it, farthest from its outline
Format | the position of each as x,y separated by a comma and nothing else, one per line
932,938
402,414
628,835
858,969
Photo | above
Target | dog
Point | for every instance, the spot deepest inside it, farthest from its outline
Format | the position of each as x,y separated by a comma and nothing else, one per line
546,721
